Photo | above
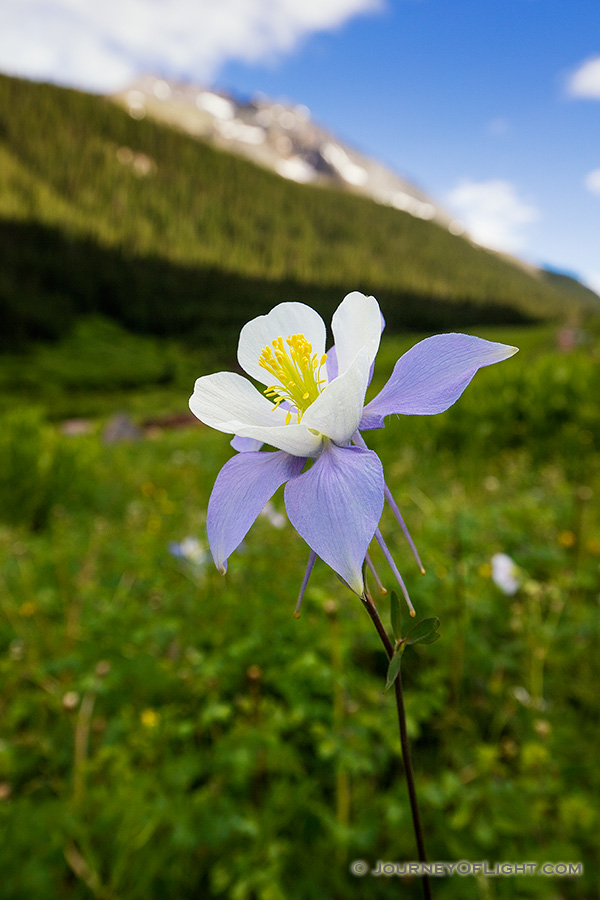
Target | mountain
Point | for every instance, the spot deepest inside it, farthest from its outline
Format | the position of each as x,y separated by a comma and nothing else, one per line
280,137
105,212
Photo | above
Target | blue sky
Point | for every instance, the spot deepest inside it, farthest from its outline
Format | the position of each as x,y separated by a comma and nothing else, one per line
491,106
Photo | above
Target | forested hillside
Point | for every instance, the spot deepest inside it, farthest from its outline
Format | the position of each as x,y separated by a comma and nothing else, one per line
101,213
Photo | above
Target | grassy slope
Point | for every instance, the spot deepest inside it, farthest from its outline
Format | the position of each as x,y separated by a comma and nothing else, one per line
203,238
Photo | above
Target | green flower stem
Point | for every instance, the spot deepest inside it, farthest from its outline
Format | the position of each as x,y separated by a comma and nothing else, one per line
410,779
82,737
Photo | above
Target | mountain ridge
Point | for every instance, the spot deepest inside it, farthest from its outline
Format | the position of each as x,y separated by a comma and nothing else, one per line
281,137
103,212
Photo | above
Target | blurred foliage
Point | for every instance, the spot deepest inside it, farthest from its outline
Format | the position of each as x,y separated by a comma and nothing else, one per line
168,733
94,368
104,214
37,469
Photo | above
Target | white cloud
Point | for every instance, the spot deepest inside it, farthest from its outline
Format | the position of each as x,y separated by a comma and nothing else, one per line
585,81
592,181
104,45
592,279
493,213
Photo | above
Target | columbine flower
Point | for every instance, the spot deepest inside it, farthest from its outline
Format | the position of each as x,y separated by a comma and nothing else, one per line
505,574
313,408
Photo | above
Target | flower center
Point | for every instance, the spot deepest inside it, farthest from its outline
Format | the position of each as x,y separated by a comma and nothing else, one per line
297,370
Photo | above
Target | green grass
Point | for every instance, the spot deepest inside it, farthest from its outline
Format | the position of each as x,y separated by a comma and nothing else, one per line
169,733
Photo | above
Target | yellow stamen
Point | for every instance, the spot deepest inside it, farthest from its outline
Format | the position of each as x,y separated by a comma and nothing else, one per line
297,369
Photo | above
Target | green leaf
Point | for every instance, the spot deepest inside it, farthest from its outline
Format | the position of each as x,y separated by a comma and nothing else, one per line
425,632
394,667
431,639
395,615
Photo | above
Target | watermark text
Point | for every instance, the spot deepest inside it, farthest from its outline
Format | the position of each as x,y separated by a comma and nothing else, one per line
386,869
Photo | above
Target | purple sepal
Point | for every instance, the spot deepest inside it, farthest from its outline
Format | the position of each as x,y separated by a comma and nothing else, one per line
245,444
336,506
431,376
243,486
331,364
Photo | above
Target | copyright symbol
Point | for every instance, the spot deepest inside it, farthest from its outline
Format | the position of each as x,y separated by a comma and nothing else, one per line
359,867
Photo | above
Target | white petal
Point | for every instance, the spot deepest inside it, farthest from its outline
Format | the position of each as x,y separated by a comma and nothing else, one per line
283,320
337,411
230,403
356,323
294,439
227,402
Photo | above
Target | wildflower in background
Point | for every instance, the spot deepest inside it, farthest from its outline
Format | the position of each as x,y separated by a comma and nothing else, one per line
193,556
567,539
273,516
313,409
70,700
149,718
505,574
189,549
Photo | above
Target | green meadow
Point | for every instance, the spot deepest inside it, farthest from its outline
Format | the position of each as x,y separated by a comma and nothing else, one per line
167,733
